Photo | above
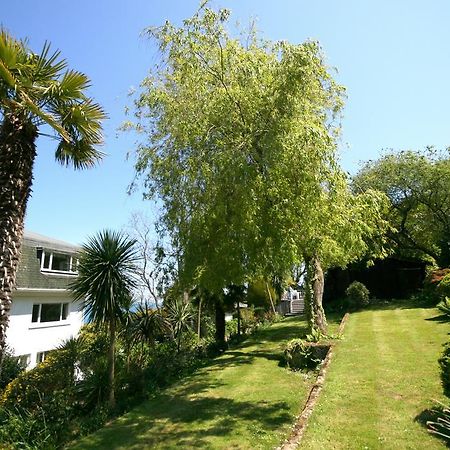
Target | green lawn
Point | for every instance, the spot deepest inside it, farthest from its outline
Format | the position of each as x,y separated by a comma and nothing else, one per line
242,400
382,379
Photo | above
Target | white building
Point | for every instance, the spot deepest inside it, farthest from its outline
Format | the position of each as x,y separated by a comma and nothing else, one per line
43,314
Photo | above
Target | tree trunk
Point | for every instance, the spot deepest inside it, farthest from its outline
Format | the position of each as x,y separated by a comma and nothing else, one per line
318,282
239,318
111,364
17,154
270,298
309,309
199,319
220,322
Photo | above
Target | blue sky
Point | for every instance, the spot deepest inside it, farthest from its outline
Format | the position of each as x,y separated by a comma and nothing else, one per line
393,56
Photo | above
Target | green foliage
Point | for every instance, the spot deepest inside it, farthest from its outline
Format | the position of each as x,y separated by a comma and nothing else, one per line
444,306
417,185
357,295
11,368
444,362
443,288
231,328
300,354
240,141
39,88
249,320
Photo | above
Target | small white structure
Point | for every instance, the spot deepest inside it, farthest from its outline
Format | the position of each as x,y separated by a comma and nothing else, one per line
292,302
43,314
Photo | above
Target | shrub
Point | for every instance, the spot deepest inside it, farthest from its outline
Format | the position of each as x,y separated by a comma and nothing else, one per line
11,368
231,328
249,321
444,362
300,354
443,288
357,295
444,306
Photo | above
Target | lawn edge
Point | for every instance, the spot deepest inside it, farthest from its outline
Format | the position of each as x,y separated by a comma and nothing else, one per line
299,427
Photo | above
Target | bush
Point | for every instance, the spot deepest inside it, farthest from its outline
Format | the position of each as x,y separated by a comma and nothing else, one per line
357,295
444,306
444,362
300,354
443,288
11,369
249,321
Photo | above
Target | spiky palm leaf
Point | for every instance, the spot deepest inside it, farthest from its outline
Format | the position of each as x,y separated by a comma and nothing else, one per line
36,89
105,279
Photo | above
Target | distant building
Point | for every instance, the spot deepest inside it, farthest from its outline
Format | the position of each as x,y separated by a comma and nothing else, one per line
292,302
43,314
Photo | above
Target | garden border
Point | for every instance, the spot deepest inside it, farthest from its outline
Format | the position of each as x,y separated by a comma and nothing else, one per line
299,428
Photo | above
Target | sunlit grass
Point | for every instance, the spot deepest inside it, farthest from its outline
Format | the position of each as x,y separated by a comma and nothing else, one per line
382,380
244,399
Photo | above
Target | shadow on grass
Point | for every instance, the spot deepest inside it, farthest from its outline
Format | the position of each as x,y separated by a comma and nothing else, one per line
187,422
442,318
190,415
430,415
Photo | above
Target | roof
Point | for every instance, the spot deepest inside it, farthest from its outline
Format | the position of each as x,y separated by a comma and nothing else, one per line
39,240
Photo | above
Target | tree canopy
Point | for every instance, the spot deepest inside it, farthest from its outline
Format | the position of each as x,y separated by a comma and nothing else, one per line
240,145
418,187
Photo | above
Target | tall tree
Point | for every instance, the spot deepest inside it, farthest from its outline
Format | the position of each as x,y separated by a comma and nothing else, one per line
36,90
240,139
106,277
418,187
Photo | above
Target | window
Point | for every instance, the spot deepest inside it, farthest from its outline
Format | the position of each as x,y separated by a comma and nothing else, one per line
49,312
58,262
40,356
24,360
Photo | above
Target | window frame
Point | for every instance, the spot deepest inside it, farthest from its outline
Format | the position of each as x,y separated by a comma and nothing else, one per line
73,262
64,307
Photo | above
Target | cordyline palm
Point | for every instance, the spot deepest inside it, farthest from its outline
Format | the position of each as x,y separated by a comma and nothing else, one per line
106,268
36,90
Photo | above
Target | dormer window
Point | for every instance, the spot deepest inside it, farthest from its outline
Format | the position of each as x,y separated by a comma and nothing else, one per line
52,261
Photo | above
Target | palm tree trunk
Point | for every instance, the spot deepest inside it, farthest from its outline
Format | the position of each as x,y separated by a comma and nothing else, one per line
111,363
17,154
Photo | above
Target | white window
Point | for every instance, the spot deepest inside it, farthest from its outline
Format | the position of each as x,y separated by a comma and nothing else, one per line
58,262
49,312
40,356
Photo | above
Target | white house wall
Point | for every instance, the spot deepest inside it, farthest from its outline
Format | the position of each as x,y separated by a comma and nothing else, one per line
26,337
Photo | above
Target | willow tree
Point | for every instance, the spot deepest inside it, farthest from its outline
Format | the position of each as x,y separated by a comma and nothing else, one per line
36,89
239,138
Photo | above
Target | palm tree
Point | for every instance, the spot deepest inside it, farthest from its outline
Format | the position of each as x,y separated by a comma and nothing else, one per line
179,317
106,268
36,90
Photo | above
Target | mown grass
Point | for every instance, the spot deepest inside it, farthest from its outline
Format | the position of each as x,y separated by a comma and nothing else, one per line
244,399
381,382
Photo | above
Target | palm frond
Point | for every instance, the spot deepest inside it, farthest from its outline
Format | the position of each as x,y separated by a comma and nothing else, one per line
80,154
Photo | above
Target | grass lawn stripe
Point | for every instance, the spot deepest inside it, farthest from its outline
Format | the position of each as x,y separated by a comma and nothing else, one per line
384,374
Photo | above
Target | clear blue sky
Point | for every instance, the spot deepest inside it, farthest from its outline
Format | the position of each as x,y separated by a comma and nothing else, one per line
392,55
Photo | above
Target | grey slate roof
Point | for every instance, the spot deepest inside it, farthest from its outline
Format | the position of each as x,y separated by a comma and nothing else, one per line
39,240
29,274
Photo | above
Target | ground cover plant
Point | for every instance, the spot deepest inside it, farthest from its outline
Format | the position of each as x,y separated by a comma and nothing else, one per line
244,399
382,381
